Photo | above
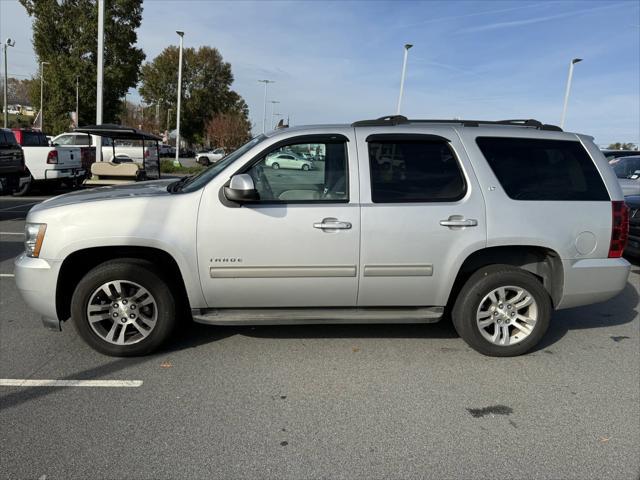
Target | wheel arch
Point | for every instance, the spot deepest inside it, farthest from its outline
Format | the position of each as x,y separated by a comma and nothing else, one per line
542,262
78,263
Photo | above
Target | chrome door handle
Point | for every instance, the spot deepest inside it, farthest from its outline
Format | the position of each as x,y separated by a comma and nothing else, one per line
332,224
455,222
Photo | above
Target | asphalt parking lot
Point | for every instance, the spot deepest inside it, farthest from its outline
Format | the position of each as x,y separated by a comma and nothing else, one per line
321,402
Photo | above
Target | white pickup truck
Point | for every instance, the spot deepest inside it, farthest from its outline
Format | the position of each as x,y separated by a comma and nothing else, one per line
48,166
123,150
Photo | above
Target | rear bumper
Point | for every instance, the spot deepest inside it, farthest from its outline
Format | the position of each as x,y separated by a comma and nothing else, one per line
36,280
63,173
593,280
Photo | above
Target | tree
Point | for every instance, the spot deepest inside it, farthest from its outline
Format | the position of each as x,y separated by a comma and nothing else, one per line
229,130
206,88
65,35
622,146
18,91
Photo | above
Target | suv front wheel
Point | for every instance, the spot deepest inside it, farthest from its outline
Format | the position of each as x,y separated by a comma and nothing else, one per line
502,311
124,308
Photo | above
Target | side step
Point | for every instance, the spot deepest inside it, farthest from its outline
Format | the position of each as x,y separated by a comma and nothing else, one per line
307,316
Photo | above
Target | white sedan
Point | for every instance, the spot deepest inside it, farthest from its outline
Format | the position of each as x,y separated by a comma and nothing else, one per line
210,156
288,160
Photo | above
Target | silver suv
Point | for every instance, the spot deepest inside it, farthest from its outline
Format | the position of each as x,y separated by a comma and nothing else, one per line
496,223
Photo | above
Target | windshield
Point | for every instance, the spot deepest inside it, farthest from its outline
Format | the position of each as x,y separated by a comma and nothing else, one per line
205,176
626,167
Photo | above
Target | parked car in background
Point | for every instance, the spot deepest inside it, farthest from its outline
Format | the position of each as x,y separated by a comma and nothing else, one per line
167,150
288,160
46,165
627,170
75,139
207,157
13,171
186,153
633,245
617,154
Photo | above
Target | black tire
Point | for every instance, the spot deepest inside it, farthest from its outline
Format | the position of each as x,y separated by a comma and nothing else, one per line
275,166
25,189
134,270
204,161
305,168
479,285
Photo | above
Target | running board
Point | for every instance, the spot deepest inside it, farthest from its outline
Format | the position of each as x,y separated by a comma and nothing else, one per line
307,316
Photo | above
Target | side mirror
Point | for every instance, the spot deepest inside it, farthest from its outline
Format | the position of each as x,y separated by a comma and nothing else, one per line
241,189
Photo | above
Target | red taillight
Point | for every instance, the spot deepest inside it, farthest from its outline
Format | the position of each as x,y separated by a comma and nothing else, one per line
52,157
619,229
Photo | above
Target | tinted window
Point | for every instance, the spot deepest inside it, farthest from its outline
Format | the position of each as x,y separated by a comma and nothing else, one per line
532,169
84,140
414,171
297,181
626,167
7,138
34,139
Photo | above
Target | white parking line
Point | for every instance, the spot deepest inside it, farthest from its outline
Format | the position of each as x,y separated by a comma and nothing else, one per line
12,233
7,275
18,206
23,382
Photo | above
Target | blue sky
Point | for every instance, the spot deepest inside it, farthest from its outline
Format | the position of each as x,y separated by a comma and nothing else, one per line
341,61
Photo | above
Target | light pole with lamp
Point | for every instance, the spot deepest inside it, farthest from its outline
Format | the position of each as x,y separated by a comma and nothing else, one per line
273,104
176,161
568,89
8,43
42,64
407,46
264,113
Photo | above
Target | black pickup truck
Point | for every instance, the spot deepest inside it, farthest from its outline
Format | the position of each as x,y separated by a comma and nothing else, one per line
13,173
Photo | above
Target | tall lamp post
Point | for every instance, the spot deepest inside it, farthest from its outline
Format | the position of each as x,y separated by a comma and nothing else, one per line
568,89
42,64
97,140
8,43
176,161
77,101
407,46
264,113
273,104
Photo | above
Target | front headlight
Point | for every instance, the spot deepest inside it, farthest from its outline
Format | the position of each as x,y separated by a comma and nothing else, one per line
34,236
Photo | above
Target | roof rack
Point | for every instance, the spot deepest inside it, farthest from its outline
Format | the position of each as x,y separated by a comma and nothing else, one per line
392,120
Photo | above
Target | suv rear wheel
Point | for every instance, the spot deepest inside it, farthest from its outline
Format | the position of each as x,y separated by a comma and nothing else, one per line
502,311
124,308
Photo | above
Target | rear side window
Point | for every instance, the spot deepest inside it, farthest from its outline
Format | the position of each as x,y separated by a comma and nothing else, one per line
7,139
405,171
535,169
34,139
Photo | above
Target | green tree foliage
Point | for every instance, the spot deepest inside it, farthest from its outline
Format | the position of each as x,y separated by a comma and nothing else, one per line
622,146
18,91
206,88
65,34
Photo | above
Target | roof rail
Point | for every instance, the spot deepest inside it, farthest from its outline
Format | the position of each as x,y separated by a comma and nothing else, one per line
401,120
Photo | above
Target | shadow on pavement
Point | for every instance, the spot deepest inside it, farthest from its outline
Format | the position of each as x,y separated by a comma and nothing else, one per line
10,250
619,310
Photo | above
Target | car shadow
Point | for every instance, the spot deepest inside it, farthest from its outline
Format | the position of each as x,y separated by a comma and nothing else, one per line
10,250
620,310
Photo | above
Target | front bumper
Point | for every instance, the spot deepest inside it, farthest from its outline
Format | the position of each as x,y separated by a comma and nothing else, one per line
594,280
36,279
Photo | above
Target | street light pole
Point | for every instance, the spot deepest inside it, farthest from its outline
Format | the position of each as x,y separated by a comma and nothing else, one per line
97,141
42,64
169,110
264,113
273,104
407,46
8,43
176,161
568,89
77,101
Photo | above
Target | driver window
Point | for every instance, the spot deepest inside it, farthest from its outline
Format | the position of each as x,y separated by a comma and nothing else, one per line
303,172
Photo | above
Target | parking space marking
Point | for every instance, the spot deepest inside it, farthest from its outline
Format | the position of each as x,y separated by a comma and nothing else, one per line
12,233
18,206
7,275
23,382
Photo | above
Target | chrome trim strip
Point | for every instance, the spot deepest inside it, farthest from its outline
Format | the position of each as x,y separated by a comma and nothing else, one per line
284,272
398,270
